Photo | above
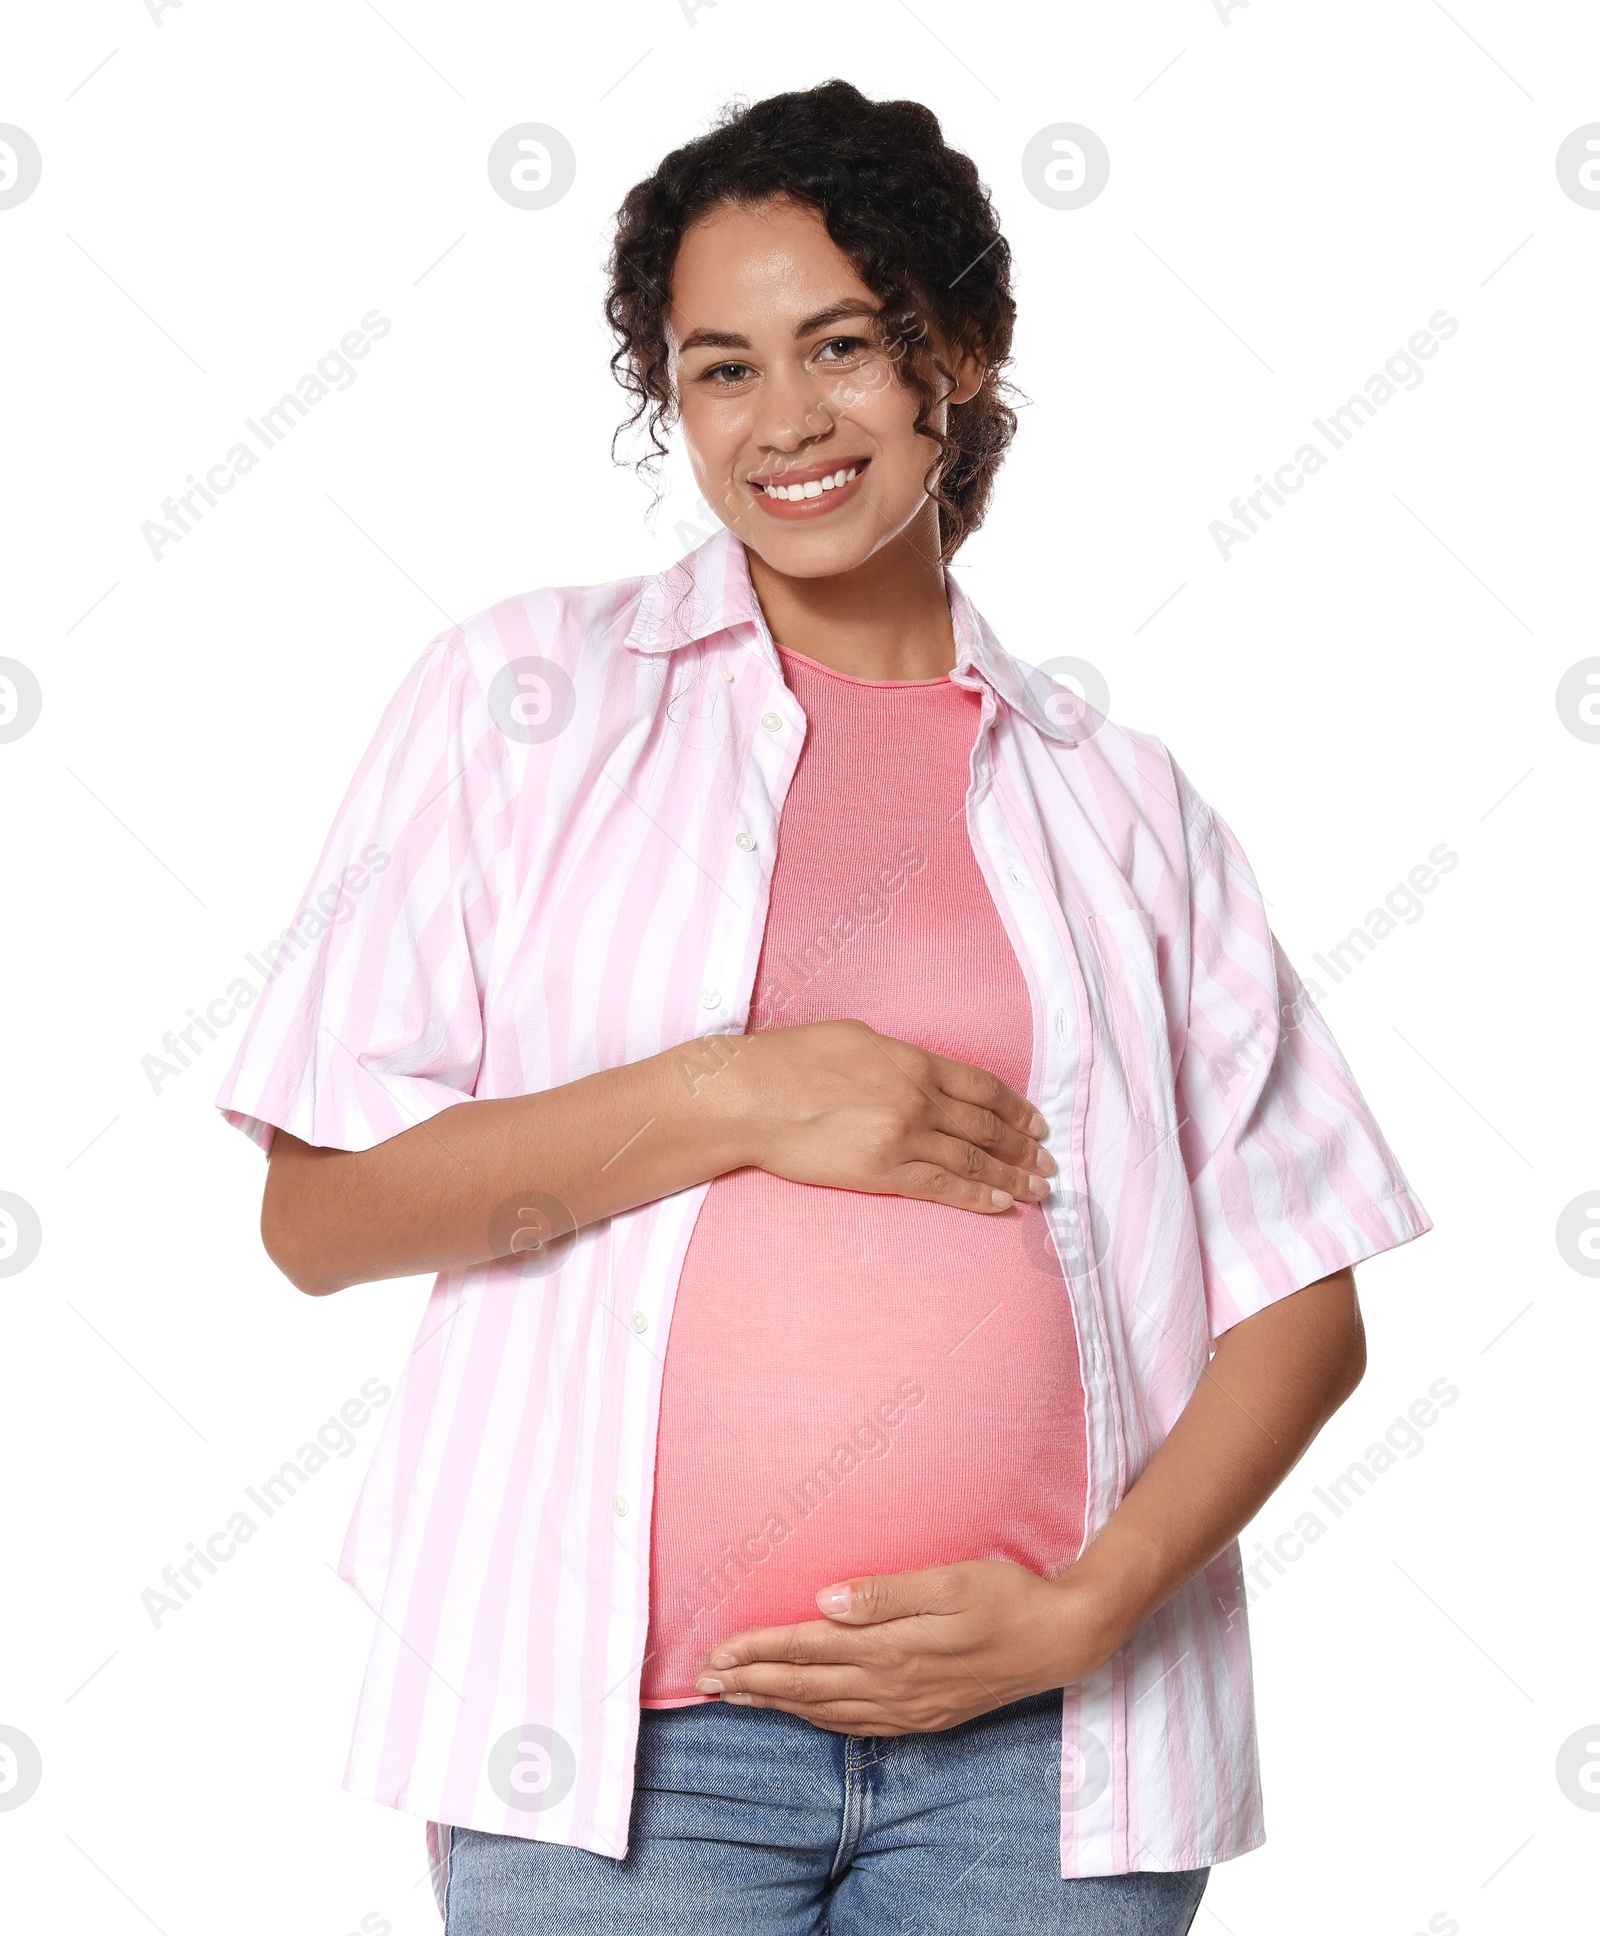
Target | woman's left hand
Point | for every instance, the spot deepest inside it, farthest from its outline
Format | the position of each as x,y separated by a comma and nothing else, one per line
909,1653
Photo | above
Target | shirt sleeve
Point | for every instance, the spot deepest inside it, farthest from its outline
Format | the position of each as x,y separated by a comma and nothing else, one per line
370,1018
1289,1174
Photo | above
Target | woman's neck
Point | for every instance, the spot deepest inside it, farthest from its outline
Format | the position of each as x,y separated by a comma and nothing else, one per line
889,618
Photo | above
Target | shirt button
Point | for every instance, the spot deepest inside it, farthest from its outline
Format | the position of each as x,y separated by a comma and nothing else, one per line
619,1506
772,721
639,1321
1061,1023
710,997
1016,875
727,673
744,842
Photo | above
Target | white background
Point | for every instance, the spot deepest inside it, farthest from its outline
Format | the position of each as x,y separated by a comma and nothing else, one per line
1294,190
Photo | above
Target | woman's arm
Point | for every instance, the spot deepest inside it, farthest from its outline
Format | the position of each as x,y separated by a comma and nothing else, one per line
830,1103
913,1652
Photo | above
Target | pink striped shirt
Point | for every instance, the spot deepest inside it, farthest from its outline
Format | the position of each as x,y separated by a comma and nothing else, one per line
579,793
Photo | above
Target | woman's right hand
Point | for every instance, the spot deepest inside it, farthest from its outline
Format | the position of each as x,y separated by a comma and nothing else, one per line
836,1103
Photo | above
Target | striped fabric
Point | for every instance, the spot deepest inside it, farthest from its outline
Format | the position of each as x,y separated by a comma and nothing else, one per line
578,792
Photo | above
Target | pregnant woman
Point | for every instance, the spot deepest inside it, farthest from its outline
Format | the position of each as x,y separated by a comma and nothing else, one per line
893,1203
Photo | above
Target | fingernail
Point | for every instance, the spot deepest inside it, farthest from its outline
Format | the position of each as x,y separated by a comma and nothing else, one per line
724,1660
740,1700
1047,1162
1001,1199
708,1684
1039,1186
1038,1126
836,1599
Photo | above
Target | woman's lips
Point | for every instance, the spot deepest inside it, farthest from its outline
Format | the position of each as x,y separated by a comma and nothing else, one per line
829,496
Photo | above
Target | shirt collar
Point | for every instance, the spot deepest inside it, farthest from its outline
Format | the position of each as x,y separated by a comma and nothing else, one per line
709,591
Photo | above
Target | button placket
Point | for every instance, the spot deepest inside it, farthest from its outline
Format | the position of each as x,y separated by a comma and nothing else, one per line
1040,946
771,752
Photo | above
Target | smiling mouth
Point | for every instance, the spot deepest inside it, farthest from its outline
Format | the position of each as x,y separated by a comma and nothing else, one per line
812,484
809,491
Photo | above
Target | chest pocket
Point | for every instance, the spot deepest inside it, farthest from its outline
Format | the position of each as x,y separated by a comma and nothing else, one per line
1131,1000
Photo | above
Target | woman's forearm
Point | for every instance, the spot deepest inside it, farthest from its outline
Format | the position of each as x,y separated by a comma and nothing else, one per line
828,1103
1273,1382
435,1196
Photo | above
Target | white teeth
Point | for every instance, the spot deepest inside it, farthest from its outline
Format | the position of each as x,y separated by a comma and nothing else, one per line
794,492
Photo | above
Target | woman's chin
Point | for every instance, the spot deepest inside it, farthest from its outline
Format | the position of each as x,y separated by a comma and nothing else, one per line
824,547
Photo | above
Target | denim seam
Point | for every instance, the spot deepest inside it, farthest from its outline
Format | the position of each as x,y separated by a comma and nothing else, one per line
852,1816
878,1748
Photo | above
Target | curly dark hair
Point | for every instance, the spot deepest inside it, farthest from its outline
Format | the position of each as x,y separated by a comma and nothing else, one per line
907,209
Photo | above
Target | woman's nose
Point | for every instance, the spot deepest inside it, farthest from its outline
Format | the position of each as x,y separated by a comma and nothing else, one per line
794,410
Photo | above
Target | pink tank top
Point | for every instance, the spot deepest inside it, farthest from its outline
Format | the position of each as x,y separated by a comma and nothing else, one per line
858,1383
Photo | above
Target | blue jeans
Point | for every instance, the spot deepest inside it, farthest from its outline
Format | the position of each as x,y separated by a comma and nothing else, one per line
751,1822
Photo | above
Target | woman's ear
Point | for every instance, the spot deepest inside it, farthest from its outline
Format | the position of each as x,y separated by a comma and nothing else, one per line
969,372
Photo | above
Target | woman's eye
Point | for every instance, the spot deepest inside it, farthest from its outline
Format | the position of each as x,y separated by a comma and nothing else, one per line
726,373
844,345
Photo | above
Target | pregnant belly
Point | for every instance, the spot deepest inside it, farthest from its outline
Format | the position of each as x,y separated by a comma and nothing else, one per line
854,1384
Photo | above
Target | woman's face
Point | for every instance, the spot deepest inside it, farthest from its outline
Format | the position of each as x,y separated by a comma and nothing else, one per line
782,387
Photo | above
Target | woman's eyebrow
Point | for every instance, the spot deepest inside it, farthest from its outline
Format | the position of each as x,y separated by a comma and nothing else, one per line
834,313
723,339
714,339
